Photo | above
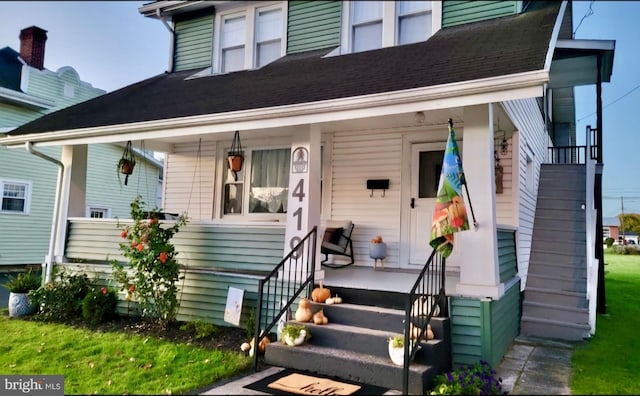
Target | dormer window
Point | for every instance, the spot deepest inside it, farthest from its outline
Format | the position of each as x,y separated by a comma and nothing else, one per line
249,38
370,25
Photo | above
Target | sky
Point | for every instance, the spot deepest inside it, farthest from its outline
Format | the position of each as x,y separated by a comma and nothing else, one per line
111,45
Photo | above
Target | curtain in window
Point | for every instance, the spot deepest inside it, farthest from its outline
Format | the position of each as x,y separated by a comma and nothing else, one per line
269,181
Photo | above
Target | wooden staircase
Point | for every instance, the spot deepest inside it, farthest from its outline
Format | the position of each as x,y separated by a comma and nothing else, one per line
555,302
354,346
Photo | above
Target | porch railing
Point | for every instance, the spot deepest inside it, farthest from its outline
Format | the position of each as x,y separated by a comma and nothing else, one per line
282,286
427,292
576,154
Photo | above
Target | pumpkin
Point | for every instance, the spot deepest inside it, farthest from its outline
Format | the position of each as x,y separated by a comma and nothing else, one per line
337,300
319,318
261,347
329,301
376,239
245,346
303,313
320,294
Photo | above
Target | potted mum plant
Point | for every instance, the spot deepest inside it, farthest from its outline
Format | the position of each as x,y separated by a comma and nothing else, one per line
396,349
295,334
19,287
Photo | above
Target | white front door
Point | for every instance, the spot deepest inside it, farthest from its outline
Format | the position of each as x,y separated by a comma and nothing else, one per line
426,164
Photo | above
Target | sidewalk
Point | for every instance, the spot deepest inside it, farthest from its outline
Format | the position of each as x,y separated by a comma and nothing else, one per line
537,367
530,367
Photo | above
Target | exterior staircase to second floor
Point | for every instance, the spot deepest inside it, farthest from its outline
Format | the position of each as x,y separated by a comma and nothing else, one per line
555,302
354,346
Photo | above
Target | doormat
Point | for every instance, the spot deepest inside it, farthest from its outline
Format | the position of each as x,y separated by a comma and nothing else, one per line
298,382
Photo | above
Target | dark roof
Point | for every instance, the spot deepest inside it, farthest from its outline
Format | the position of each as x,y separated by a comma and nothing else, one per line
10,69
502,46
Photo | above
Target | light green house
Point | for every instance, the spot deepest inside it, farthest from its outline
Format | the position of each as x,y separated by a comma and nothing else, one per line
28,182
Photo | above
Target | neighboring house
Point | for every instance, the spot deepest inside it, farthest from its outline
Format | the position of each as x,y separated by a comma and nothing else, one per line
28,183
610,227
329,97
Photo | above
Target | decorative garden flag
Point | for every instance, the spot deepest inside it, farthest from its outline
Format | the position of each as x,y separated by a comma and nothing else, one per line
449,214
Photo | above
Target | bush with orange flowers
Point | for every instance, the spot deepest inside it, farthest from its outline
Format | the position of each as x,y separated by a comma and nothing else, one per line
152,271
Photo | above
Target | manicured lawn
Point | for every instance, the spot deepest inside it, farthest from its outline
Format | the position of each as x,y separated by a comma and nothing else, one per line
110,363
610,363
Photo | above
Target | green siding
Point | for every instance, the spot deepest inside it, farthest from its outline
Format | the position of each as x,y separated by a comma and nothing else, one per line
484,329
507,255
459,12
24,238
194,41
313,25
214,257
105,189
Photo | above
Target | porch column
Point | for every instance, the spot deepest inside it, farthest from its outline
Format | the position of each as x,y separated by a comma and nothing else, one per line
479,271
303,204
72,201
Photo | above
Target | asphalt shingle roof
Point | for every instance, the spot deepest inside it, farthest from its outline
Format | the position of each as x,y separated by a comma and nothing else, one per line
502,46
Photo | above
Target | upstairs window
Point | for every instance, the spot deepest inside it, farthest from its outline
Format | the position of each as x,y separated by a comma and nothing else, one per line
370,25
249,38
15,196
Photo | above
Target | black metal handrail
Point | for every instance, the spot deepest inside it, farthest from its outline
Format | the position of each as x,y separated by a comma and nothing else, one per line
427,292
280,288
576,154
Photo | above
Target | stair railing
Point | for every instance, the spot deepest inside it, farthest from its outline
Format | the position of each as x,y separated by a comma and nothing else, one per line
282,286
427,292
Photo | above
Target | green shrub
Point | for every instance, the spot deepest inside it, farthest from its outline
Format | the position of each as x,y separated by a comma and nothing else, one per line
250,326
23,282
477,379
61,299
609,242
626,249
99,305
203,329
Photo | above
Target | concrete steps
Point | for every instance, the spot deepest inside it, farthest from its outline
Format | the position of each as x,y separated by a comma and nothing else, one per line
354,344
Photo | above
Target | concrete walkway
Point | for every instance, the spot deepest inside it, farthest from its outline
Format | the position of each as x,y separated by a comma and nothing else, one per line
530,367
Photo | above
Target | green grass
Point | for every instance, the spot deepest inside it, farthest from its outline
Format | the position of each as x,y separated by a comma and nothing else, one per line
609,363
110,363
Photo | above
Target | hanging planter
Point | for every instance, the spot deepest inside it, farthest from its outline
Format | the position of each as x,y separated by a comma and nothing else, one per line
235,155
126,163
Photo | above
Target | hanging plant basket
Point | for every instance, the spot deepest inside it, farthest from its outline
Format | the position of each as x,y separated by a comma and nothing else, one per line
235,155
126,163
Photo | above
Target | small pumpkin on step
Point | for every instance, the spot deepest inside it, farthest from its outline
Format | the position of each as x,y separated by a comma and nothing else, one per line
320,294
319,318
303,313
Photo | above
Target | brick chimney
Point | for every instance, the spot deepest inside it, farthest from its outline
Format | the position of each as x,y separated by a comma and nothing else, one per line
32,41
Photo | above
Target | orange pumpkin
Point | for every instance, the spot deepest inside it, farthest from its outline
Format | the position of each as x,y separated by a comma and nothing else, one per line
320,294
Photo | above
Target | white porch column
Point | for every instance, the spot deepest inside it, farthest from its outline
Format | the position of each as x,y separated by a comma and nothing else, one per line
303,205
74,190
479,271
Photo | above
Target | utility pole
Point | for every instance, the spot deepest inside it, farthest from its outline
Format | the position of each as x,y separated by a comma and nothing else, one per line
624,238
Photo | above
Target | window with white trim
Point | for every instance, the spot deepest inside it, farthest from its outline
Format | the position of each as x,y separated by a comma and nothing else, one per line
98,212
261,188
370,25
249,38
16,196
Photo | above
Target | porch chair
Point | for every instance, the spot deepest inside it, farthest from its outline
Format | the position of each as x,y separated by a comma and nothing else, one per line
337,241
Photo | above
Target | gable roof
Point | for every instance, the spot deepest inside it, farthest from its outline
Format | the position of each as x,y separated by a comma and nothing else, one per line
480,50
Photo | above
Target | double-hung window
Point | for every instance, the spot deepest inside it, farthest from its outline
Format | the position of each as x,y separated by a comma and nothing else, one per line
261,188
251,37
16,196
369,25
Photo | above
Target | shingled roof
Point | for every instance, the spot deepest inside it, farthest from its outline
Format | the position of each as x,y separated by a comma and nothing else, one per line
497,47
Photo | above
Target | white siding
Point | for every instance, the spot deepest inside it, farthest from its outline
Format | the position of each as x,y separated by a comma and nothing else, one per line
190,182
356,157
504,201
532,140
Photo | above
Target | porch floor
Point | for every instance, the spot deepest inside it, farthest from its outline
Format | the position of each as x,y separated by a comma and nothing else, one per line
364,277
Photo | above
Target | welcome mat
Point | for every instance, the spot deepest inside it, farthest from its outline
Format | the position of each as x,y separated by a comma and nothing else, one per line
298,382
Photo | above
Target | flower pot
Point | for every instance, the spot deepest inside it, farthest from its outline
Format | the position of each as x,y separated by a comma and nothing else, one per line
378,250
126,167
235,162
289,340
397,354
20,304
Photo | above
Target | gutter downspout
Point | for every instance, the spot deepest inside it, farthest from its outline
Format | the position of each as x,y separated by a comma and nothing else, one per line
50,258
171,40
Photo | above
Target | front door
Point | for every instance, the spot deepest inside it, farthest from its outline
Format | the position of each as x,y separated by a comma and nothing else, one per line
426,164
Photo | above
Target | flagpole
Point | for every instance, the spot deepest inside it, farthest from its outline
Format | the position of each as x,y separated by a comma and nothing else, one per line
464,183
